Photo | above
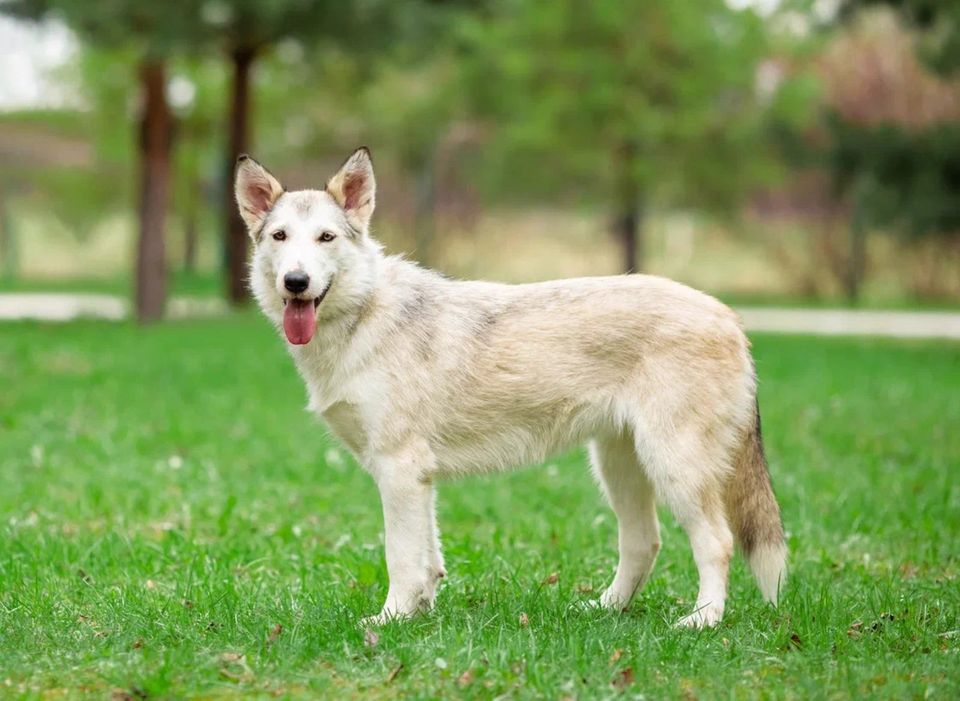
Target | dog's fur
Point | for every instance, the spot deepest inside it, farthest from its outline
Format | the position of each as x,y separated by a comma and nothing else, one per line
423,377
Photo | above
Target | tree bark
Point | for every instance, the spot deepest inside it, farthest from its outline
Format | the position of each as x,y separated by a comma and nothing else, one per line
156,137
190,236
425,210
629,214
235,233
8,251
857,263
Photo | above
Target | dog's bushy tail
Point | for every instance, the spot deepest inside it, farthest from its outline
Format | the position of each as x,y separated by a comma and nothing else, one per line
755,515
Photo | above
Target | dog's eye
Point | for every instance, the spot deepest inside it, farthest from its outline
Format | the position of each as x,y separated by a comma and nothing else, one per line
279,236
325,237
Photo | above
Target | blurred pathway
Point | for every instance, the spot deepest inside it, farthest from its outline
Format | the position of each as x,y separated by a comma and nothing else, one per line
49,306
830,322
852,322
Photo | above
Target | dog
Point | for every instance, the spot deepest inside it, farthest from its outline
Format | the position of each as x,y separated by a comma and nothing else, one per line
425,378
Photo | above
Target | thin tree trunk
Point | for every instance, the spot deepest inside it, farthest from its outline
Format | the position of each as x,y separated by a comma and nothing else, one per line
424,211
8,251
857,263
156,136
190,235
628,220
235,233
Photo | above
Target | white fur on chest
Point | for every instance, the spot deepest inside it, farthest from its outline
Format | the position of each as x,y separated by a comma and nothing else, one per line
344,396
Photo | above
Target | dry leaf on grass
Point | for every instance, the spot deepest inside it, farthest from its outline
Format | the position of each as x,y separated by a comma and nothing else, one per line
274,633
524,620
233,667
623,679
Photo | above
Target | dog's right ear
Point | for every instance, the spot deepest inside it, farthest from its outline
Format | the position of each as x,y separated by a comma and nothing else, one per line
256,191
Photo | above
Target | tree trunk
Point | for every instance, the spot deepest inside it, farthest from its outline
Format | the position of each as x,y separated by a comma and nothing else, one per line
629,214
190,236
235,233
857,263
8,249
156,136
424,211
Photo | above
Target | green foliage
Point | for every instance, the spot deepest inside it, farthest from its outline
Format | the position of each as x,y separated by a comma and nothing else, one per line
82,191
154,28
410,108
573,83
255,24
900,177
167,505
904,180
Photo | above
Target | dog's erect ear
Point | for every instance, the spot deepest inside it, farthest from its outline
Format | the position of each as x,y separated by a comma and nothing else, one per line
354,189
256,192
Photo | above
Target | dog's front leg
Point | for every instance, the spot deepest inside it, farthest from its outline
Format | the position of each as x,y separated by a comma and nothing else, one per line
414,564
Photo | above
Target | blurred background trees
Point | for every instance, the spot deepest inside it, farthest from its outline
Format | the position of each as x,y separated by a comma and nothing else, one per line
154,32
246,30
630,103
773,150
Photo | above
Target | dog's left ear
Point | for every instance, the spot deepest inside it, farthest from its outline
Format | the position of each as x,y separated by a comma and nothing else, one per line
256,191
354,189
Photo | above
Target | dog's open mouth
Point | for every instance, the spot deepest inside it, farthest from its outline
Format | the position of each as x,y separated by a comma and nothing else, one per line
300,317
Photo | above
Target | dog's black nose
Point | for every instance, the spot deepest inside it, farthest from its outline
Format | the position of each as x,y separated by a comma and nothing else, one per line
296,281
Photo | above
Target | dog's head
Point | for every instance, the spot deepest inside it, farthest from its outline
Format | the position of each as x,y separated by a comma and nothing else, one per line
311,247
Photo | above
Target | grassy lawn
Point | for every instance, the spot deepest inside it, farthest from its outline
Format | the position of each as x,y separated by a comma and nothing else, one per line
175,525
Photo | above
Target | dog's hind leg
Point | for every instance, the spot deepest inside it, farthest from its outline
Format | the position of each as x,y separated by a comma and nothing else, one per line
631,495
689,478
435,554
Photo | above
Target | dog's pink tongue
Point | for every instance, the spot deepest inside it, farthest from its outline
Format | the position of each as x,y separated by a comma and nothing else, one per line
299,321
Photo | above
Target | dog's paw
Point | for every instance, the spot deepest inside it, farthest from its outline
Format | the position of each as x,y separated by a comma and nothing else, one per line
380,619
384,617
706,616
613,601
586,605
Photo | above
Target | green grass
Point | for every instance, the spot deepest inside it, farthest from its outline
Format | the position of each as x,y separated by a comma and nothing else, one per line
175,525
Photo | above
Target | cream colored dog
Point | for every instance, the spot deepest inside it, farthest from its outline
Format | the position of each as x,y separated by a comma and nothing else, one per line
424,377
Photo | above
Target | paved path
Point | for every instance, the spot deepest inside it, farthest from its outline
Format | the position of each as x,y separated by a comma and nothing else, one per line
846,322
853,322
49,306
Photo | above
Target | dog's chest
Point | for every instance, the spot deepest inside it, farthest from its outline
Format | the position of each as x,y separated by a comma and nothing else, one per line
345,420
